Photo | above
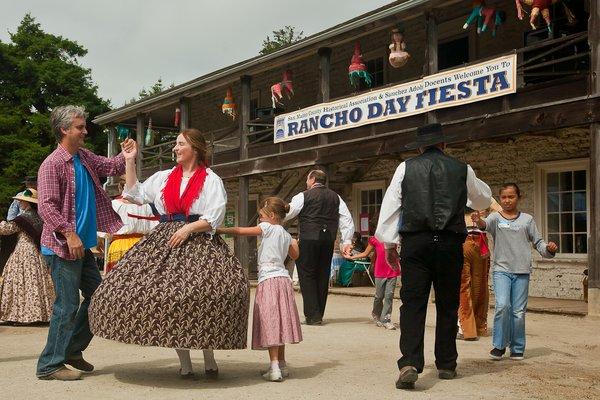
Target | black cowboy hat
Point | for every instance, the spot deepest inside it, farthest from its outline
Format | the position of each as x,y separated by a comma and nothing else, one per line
428,135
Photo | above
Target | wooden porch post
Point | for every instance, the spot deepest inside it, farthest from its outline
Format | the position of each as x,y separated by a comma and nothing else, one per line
324,87
184,108
139,137
431,62
594,241
241,244
112,149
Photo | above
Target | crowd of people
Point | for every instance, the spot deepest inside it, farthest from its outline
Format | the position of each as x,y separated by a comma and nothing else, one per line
171,281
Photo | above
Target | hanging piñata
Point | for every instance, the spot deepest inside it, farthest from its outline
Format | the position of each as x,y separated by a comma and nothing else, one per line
281,88
123,132
485,17
543,7
149,138
177,117
229,107
398,55
357,70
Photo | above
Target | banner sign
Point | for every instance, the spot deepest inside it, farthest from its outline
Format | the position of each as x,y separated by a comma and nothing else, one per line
452,88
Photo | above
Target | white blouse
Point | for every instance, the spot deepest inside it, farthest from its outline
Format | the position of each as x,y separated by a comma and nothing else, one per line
210,205
132,224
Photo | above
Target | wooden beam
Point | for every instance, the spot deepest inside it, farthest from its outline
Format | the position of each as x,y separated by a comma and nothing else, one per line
184,108
431,58
594,242
245,116
324,81
539,118
139,137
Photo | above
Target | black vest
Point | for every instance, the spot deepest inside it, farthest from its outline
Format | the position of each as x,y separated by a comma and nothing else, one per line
434,193
320,212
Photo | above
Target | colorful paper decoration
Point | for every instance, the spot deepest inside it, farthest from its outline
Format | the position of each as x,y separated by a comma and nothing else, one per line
281,88
485,17
398,55
543,7
149,138
177,117
357,70
123,132
229,107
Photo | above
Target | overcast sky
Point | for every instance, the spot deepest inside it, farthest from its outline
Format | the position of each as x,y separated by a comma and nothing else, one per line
131,43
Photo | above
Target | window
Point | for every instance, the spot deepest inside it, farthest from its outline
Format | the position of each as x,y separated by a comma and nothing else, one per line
452,53
366,199
563,194
376,69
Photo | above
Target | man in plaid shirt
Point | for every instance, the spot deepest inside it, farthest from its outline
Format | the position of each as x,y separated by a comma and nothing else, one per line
74,207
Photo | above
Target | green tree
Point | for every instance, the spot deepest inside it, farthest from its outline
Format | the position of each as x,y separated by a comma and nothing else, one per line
39,71
281,38
157,88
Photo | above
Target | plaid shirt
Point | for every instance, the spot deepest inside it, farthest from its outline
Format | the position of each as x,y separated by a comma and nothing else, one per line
56,195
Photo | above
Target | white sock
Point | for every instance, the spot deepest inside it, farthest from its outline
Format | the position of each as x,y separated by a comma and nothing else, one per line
282,364
185,361
274,365
209,360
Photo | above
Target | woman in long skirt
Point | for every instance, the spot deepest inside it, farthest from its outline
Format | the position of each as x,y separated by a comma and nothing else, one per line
26,291
180,286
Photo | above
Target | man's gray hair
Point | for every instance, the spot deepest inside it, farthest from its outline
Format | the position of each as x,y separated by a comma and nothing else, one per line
62,117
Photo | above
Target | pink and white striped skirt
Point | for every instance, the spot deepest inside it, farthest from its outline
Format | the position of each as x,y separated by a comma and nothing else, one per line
275,319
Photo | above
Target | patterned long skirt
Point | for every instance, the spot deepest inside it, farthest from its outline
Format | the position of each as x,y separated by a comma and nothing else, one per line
195,296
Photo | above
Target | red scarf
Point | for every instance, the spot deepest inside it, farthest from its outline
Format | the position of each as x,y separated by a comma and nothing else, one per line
175,204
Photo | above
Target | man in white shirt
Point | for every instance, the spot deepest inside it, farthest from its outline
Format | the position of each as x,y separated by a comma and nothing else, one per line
320,213
424,205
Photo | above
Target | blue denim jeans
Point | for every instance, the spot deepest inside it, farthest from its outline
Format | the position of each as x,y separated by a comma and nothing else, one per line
510,291
69,333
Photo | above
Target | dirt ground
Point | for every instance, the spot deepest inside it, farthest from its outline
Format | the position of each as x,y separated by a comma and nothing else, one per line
346,358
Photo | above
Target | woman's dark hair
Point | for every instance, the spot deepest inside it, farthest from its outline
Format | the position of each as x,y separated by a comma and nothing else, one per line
357,241
511,185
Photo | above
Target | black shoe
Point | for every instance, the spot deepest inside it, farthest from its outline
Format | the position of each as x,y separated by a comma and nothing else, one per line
496,354
516,356
314,322
446,373
408,377
211,373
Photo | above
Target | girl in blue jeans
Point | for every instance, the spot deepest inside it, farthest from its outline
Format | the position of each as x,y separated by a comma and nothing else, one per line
513,233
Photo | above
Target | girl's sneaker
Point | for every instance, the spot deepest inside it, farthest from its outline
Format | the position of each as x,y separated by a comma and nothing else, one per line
273,375
285,372
496,354
389,326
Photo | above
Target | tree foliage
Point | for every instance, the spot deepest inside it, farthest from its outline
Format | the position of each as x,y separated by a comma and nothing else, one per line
39,71
281,38
157,88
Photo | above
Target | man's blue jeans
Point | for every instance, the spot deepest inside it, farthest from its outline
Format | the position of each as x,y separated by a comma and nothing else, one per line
510,291
69,333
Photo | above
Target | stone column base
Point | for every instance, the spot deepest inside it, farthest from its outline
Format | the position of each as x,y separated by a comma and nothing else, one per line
594,302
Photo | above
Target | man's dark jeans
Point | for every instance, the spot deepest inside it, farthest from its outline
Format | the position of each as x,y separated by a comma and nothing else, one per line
69,333
430,258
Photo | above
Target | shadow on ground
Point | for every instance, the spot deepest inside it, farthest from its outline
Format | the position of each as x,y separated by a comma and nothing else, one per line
164,374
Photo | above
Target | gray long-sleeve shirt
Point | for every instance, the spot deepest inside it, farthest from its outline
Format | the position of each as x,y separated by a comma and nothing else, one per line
512,242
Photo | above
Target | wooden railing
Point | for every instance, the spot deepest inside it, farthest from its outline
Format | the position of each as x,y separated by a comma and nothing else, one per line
555,58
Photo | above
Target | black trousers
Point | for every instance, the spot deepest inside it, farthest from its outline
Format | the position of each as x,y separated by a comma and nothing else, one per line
430,258
314,269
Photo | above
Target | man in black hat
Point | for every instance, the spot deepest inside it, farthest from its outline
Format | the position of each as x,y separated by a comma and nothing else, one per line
14,210
424,205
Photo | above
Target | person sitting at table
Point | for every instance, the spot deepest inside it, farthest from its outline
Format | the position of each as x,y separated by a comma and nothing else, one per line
344,277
